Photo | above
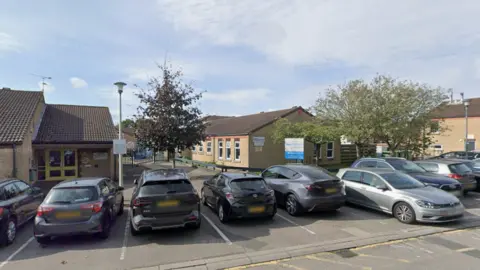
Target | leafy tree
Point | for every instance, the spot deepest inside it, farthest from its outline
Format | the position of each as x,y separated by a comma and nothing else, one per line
169,119
349,106
128,123
315,131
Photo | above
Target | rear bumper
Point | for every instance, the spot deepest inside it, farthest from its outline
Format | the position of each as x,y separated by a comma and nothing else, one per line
141,223
243,211
44,229
469,186
323,203
440,215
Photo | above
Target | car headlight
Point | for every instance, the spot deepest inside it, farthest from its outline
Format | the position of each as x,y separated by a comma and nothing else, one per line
426,204
432,185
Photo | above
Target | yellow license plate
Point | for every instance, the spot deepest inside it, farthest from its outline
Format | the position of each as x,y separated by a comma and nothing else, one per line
167,203
62,215
331,190
256,209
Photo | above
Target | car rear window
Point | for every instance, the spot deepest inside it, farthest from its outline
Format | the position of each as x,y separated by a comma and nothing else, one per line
316,173
71,195
166,186
248,184
460,168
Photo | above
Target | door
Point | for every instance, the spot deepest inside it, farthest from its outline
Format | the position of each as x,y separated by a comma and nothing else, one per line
207,189
61,164
377,198
18,205
217,190
30,200
277,179
116,193
353,184
108,195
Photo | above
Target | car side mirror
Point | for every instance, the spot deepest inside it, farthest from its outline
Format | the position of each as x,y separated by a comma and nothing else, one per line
135,181
120,188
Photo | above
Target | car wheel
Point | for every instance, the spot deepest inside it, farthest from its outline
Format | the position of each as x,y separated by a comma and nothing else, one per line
222,216
106,227
133,231
204,200
404,213
120,211
10,233
292,206
43,240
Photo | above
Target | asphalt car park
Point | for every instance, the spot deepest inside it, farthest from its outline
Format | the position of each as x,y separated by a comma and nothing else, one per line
124,251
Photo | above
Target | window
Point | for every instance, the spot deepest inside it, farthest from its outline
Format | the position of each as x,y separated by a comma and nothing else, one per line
459,168
383,165
371,180
248,184
237,150
367,164
330,153
405,165
221,181
429,167
194,148
104,190
200,147
437,147
22,187
287,173
400,180
209,147
353,176
71,195
11,191
166,186
229,149
220,149
112,185
316,173
270,173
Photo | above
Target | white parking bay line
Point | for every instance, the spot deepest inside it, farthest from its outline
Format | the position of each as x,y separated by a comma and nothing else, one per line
16,252
125,237
225,238
294,223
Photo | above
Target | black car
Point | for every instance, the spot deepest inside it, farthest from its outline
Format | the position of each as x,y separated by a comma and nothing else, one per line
411,168
79,206
18,204
163,199
239,195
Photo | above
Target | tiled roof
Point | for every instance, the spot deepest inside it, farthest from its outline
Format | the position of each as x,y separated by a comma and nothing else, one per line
209,118
458,110
247,123
17,109
76,124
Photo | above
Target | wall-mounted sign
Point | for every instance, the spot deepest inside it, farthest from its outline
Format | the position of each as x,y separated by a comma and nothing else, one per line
294,148
119,147
100,156
84,159
258,141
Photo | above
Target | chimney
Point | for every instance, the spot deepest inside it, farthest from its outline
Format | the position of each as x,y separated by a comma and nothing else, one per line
6,88
461,94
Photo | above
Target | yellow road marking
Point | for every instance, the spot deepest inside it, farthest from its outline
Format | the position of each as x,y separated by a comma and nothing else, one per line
330,261
465,249
383,257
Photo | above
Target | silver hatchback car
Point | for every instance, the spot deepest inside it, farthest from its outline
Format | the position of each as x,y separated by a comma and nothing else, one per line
401,195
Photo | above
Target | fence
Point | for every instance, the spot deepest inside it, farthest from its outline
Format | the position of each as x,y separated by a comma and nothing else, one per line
348,152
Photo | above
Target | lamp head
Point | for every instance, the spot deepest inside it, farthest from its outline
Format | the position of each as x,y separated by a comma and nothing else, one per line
120,86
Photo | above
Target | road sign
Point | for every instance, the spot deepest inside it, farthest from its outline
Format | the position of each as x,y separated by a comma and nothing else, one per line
119,147
294,148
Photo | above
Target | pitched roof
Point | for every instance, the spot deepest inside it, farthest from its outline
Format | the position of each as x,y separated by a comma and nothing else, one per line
17,109
248,123
76,124
214,117
458,110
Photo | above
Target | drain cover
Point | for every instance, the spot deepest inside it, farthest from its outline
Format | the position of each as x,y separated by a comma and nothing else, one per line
345,253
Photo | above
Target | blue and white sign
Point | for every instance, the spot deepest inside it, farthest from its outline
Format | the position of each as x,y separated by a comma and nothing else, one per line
294,148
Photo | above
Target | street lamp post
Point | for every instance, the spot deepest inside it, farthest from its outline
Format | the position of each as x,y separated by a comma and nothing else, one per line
120,86
466,103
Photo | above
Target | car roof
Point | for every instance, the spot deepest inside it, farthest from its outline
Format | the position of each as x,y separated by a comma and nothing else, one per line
80,182
235,176
374,170
6,181
459,160
444,161
164,174
381,158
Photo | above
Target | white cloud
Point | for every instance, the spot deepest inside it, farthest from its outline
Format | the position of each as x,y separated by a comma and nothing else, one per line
239,97
47,87
9,43
78,83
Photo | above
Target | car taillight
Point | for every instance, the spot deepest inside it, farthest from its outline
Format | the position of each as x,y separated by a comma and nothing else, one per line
41,210
138,202
229,196
309,187
455,176
95,207
1,211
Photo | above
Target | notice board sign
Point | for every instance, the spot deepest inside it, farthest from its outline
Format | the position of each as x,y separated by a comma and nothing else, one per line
294,148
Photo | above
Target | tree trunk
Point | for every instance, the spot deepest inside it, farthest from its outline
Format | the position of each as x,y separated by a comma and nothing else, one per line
173,160
357,149
317,154
154,156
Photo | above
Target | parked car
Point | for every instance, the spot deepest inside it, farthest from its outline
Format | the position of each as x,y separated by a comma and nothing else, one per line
18,205
238,195
399,194
414,170
162,199
303,188
459,170
458,155
79,206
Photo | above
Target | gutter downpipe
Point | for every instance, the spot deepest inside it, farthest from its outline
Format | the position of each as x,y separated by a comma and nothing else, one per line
14,167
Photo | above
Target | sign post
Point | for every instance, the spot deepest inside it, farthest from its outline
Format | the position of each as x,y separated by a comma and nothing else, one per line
120,148
294,149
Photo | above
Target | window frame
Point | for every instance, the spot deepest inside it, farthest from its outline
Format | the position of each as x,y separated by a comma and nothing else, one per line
209,152
353,181
429,163
228,146
5,191
332,150
28,190
236,149
103,182
220,148
194,148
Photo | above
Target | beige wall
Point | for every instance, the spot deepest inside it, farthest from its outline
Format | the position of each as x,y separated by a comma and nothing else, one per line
213,157
453,139
324,160
6,161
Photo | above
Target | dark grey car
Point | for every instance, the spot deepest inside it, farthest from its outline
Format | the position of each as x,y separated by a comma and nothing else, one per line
163,199
303,188
79,206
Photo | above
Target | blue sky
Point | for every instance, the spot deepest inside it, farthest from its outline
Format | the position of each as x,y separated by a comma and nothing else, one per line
249,55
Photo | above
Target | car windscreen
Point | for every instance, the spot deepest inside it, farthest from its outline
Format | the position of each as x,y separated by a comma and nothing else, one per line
72,195
248,184
405,165
161,187
401,180
459,168
315,173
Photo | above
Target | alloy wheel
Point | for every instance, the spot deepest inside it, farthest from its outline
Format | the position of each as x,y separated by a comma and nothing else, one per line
11,231
204,201
404,213
220,212
291,205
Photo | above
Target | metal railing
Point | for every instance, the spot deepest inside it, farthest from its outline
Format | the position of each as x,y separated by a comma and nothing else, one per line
213,166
